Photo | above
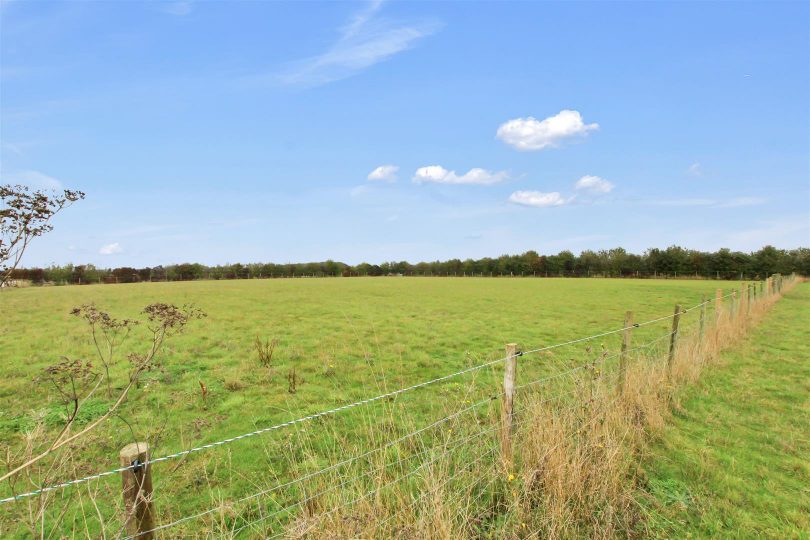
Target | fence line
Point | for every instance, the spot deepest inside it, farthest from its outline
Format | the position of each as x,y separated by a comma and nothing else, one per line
389,444
734,311
333,410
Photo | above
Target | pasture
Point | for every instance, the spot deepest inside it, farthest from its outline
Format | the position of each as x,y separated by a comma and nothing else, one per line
346,339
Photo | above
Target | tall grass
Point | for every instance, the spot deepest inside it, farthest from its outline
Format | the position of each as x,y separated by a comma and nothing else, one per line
576,467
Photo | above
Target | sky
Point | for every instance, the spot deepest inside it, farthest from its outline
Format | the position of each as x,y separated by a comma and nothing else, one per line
254,131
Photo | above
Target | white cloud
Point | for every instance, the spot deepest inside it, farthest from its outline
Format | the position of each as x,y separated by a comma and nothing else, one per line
33,179
386,173
695,169
111,249
594,184
367,40
538,199
532,134
440,175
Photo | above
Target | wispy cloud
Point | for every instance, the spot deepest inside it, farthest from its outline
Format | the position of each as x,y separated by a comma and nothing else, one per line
788,232
741,201
366,40
439,175
695,169
111,249
13,148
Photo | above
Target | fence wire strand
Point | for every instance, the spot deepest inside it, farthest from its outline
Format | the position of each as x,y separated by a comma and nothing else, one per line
336,410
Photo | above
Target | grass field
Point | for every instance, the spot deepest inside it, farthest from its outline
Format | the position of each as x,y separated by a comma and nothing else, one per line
733,460
347,339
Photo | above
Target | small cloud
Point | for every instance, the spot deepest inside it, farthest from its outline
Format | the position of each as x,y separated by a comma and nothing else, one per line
33,179
695,169
594,184
181,9
537,199
529,134
111,249
386,173
439,175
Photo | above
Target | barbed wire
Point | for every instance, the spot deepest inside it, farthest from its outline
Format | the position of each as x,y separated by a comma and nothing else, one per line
322,492
414,471
334,410
356,458
335,466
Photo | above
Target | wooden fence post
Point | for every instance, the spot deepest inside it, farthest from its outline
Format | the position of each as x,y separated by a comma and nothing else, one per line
626,336
673,338
507,412
748,303
702,318
733,312
139,517
718,304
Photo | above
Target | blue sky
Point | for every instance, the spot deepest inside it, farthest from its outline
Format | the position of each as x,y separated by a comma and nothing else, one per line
259,131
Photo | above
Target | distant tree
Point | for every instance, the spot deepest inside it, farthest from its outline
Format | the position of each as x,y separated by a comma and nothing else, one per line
188,271
24,215
125,275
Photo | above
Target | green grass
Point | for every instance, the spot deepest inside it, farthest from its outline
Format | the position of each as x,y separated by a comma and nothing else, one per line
347,338
733,461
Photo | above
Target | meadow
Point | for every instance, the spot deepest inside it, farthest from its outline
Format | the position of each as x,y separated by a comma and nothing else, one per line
346,339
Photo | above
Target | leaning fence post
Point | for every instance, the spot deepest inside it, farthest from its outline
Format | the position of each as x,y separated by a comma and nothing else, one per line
139,517
673,338
507,412
628,329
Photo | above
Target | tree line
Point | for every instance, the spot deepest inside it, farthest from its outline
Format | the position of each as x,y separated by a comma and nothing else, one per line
673,262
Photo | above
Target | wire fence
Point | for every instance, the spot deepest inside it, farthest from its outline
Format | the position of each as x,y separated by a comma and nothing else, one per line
417,450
